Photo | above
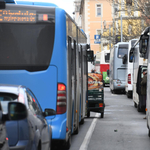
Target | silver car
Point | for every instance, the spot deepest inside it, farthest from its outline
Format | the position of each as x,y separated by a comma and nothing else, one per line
32,133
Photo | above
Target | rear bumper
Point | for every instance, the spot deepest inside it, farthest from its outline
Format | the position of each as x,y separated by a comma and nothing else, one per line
120,86
93,106
58,125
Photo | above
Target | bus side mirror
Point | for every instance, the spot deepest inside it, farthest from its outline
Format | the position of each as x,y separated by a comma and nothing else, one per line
143,43
90,56
131,55
124,59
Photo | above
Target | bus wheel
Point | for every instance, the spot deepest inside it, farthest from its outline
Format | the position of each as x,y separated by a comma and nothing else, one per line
88,114
102,115
135,105
149,132
77,130
138,108
68,143
82,121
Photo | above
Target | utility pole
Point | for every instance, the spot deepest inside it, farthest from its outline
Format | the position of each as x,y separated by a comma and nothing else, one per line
113,22
101,30
121,22
110,37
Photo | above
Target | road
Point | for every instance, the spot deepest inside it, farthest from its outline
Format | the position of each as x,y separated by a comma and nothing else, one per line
122,128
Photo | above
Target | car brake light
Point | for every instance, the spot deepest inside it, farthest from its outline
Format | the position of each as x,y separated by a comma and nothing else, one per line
61,99
129,78
21,98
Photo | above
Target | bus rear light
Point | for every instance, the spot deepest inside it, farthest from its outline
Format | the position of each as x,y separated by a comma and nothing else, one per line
67,129
129,78
61,99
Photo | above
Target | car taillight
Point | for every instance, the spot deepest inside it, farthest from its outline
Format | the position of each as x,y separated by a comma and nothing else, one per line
129,78
61,99
21,98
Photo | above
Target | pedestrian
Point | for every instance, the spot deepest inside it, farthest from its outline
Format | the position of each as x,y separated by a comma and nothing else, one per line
144,88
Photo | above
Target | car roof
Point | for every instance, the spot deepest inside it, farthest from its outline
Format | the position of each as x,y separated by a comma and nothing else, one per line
10,88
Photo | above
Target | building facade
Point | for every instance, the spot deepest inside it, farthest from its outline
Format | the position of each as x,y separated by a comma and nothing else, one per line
94,17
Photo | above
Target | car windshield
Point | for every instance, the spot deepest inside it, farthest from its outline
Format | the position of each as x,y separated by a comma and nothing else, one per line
5,98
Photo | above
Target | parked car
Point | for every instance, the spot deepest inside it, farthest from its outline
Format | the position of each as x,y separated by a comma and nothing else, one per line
32,133
16,111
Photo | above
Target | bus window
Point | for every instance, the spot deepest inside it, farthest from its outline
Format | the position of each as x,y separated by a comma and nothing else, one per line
107,57
122,51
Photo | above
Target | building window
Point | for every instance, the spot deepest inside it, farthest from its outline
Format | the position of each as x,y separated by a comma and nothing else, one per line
129,2
98,10
98,32
116,9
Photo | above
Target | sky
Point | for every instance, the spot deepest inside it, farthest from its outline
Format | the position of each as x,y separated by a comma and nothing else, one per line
67,5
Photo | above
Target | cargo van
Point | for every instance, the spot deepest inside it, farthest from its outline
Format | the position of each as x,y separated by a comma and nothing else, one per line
129,73
139,64
118,67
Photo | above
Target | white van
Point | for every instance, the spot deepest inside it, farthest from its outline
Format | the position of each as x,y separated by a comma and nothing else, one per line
129,72
117,67
139,64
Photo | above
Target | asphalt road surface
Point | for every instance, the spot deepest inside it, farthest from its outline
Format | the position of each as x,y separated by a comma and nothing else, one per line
122,128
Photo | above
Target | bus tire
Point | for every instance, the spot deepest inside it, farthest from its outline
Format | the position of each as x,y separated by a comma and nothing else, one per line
149,132
82,121
102,115
138,108
77,130
68,143
88,114
135,105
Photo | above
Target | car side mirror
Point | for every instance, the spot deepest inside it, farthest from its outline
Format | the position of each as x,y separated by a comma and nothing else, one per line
49,112
16,111
124,59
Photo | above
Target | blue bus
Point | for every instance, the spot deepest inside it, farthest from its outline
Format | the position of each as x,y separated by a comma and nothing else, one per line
42,48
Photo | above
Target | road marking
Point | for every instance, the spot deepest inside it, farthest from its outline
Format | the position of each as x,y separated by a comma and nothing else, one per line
87,138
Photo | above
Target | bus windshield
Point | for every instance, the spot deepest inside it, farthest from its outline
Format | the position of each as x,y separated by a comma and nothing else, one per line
26,46
107,57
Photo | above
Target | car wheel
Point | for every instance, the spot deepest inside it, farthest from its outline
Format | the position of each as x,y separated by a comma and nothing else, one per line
102,115
88,114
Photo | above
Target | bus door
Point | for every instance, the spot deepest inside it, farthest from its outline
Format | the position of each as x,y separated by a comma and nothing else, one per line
70,87
81,63
138,86
74,81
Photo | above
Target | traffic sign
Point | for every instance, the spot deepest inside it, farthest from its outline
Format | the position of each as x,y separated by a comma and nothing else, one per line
96,37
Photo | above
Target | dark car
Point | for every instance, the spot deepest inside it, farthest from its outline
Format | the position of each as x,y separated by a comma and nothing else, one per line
32,133
16,111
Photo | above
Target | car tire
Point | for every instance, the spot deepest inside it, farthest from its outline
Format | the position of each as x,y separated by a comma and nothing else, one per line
102,115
